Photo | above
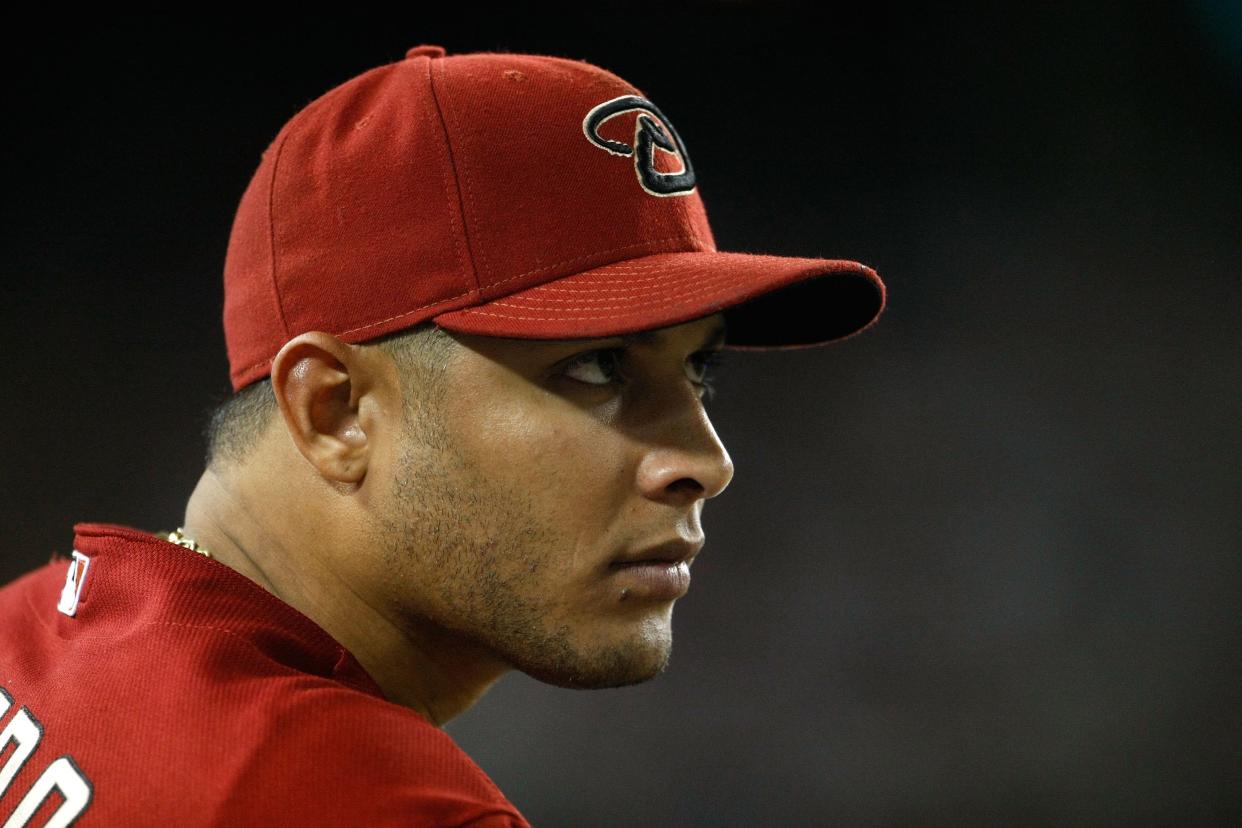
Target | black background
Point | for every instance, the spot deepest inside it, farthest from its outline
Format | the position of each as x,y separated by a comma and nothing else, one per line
977,565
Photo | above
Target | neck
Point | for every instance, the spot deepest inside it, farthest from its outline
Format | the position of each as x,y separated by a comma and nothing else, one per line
293,553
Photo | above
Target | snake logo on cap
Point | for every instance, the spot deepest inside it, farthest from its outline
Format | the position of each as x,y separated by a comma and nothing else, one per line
648,135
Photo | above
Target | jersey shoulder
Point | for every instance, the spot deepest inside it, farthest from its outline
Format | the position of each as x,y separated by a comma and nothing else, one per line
356,759
180,693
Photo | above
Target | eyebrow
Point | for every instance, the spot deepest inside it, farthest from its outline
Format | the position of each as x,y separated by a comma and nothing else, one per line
715,336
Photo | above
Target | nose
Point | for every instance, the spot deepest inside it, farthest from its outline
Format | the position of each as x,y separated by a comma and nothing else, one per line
687,463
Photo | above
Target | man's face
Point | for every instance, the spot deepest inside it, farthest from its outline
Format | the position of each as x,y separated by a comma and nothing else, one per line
523,496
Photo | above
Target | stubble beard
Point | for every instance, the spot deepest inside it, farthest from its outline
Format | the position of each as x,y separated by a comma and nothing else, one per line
479,558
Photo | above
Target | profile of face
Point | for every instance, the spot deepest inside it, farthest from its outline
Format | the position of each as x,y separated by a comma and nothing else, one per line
540,506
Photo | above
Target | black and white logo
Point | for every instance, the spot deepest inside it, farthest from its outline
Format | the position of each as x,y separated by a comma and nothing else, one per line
649,134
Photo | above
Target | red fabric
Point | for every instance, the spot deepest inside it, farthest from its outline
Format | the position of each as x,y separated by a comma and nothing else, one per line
668,289
434,184
187,695
350,225
541,201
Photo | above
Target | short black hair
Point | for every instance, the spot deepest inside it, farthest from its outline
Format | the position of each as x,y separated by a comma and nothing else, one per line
234,425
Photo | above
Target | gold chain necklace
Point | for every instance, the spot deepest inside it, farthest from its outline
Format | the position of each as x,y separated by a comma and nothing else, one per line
180,538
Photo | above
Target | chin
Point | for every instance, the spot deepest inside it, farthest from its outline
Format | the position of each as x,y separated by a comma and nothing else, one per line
618,666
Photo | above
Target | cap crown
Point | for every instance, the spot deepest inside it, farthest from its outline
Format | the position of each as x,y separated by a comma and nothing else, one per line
437,183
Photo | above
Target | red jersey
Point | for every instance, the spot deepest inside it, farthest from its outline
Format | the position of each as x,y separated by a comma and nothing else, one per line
145,684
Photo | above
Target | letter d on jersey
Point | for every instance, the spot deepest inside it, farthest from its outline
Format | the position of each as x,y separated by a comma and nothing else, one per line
74,578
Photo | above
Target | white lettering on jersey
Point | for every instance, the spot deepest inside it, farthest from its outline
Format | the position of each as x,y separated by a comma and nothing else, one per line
74,578
66,777
24,732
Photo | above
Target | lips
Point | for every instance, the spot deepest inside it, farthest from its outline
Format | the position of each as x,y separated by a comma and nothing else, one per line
671,552
657,573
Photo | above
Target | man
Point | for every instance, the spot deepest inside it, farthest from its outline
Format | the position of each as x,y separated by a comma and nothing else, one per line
471,305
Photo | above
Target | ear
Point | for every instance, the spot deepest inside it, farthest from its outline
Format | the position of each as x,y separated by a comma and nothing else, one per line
321,385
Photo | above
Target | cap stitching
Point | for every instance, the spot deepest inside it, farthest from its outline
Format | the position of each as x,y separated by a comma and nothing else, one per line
691,238
613,285
447,157
447,152
614,295
459,169
628,268
510,279
689,267
271,230
546,287
663,300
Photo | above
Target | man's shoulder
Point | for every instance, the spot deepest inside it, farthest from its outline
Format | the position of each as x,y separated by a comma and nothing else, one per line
352,756
280,750
177,684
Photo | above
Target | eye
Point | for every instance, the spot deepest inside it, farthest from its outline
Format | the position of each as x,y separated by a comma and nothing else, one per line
595,367
707,365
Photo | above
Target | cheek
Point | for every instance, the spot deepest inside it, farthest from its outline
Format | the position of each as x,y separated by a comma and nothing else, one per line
568,460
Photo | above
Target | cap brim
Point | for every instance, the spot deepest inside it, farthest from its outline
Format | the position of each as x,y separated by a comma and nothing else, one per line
769,302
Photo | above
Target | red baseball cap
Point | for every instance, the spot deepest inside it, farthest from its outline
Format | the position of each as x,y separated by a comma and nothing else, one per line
505,195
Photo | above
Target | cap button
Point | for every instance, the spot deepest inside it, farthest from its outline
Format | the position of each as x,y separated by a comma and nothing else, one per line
425,51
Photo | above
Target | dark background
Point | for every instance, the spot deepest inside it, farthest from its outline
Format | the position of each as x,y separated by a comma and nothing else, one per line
978,565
